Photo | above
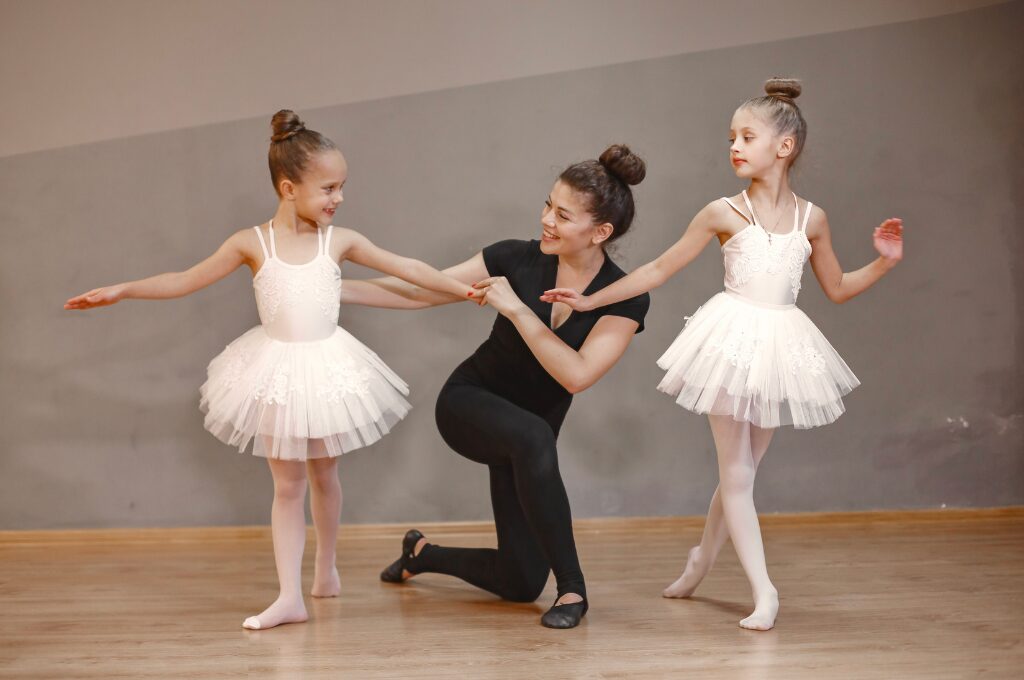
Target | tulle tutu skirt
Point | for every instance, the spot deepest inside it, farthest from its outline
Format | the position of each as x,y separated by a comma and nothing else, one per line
300,400
765,364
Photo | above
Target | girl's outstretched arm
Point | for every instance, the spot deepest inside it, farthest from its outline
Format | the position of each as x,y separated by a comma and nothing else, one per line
652,274
359,249
841,286
394,293
231,255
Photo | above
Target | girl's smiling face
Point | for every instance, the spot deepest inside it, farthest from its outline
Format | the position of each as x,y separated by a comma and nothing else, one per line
754,147
319,193
567,225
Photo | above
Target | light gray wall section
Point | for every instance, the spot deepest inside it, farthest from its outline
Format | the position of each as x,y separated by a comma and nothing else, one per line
919,120
177,65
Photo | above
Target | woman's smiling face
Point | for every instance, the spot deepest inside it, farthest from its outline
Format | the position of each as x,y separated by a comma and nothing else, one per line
567,225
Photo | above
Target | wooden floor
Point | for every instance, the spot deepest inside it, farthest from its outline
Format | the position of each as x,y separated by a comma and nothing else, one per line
906,595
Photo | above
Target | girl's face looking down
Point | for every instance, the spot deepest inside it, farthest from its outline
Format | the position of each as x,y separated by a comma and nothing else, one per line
318,194
754,147
567,227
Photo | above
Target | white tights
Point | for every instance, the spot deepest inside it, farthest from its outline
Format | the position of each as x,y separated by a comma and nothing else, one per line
740,446
288,527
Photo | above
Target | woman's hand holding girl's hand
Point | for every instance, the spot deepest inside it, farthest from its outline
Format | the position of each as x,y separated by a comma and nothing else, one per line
97,297
498,293
477,295
888,239
568,296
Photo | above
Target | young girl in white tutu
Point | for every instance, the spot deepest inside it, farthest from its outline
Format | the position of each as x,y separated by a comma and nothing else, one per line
298,386
749,358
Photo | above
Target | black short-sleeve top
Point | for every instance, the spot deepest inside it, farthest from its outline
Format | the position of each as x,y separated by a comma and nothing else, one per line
504,362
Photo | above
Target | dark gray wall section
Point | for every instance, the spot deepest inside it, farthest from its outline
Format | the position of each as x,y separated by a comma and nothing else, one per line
919,120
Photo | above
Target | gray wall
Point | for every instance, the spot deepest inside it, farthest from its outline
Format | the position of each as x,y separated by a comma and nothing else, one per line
918,119
175,65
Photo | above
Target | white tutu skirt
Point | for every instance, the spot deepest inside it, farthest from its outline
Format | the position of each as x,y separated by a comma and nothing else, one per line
765,364
300,400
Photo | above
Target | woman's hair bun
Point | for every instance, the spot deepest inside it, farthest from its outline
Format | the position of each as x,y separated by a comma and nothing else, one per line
285,125
783,87
624,164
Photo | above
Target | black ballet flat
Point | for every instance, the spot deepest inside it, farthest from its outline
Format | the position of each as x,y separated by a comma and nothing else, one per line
393,572
565,615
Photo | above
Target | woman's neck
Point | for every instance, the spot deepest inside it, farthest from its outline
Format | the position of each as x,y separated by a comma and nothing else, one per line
586,261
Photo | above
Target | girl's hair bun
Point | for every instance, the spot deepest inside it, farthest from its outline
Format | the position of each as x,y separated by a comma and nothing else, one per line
783,87
292,144
624,164
285,125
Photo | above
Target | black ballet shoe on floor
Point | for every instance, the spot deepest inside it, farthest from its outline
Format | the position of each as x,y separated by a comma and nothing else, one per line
565,615
393,572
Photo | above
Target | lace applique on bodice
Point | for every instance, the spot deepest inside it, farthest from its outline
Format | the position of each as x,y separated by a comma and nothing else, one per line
767,267
298,302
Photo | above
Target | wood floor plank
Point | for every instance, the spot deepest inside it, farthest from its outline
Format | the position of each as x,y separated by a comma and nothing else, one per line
906,595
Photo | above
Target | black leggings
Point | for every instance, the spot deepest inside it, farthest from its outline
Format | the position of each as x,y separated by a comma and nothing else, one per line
531,508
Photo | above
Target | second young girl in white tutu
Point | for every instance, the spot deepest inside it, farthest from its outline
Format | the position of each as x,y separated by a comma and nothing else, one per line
298,386
749,358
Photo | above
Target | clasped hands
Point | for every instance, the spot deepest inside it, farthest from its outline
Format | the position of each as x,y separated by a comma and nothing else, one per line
497,292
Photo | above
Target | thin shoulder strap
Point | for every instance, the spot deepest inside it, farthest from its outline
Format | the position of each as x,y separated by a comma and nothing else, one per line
327,241
273,243
807,214
263,244
750,207
319,241
733,206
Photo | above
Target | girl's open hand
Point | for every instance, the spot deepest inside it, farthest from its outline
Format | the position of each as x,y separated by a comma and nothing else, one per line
498,293
97,297
888,239
567,296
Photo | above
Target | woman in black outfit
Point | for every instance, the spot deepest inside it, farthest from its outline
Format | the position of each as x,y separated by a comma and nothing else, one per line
505,404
